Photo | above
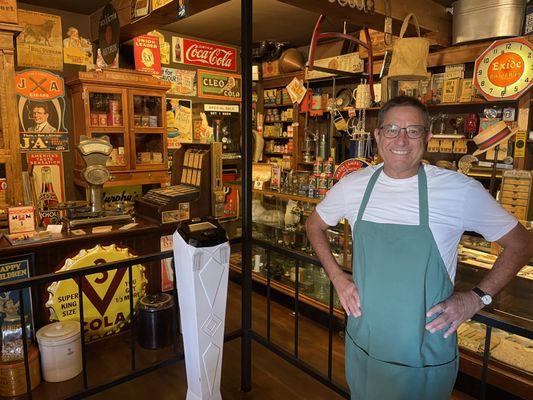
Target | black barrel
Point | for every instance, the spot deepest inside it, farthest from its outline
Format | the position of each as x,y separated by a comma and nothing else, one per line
154,321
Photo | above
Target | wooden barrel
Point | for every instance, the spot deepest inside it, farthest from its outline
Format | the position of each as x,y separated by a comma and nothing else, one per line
13,375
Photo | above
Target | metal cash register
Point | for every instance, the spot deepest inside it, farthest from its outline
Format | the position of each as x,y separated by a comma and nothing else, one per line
196,189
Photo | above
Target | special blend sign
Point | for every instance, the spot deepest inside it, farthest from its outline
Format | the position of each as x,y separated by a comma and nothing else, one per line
202,54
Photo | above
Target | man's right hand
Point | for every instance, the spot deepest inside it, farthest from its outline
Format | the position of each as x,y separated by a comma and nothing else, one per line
348,293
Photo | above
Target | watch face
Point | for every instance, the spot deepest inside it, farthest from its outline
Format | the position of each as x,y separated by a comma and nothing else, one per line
504,70
486,299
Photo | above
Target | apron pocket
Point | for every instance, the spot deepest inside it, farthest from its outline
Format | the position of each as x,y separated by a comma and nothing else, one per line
372,379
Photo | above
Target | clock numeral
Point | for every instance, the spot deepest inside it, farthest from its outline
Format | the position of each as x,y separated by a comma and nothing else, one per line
480,72
516,89
486,60
495,51
490,90
508,46
503,92
529,54
526,80
482,83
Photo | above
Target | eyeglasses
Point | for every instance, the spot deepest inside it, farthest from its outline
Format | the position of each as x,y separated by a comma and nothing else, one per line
412,131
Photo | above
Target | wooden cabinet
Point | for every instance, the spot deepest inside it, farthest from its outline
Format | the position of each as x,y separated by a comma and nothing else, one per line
130,108
10,164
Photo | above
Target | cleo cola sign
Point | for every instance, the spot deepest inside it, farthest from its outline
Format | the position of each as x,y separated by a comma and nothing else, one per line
206,55
217,85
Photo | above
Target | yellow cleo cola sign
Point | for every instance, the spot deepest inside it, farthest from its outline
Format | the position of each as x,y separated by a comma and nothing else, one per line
106,295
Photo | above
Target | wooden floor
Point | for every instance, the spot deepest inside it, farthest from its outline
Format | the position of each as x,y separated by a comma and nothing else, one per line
272,377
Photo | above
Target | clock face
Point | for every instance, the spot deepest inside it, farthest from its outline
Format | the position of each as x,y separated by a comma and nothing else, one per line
505,70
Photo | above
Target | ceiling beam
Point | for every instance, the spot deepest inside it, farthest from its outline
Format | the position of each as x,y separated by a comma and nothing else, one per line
432,17
157,19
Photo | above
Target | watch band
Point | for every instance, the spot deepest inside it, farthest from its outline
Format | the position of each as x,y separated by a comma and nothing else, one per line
479,292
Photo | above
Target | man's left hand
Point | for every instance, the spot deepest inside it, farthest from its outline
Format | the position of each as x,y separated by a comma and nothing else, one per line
453,311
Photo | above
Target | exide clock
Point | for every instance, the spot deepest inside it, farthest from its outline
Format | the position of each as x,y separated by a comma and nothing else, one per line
505,70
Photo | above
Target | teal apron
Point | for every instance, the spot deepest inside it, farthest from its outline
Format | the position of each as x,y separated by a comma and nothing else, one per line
400,275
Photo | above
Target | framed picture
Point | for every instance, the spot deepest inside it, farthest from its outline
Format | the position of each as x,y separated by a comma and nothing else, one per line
406,86
12,269
437,84
450,90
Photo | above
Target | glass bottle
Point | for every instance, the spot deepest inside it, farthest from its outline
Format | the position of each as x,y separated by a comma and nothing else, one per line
48,200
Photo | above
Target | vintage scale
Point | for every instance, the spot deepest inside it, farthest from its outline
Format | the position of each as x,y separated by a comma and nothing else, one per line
360,139
95,152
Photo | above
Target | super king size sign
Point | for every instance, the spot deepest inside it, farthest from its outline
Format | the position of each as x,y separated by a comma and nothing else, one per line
208,55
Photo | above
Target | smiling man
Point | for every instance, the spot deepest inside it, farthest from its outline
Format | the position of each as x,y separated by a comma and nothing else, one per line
40,116
407,219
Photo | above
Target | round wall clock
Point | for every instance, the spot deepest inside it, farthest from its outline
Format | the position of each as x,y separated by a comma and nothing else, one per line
505,70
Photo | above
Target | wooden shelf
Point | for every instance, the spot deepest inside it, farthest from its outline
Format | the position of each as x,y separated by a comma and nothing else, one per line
278,105
276,138
288,196
273,153
279,122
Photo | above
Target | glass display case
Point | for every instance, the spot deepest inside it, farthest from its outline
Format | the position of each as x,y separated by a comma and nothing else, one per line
127,107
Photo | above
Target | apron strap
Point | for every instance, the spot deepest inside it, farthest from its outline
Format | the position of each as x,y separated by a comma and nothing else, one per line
423,208
368,192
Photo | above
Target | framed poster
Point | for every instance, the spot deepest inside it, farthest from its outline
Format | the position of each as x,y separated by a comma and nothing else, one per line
77,49
218,85
12,269
167,275
182,82
179,122
41,111
203,54
40,44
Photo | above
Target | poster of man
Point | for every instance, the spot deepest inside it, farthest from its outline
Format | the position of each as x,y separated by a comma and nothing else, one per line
40,115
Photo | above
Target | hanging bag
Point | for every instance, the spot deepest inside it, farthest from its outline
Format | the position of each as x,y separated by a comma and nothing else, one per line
409,55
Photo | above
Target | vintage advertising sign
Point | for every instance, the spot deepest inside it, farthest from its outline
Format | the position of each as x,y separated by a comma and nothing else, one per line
124,194
167,275
41,111
109,34
106,295
350,62
12,269
505,71
183,82
348,166
164,47
146,54
217,85
225,108
76,49
202,54
40,43
8,11
21,219
179,122
49,184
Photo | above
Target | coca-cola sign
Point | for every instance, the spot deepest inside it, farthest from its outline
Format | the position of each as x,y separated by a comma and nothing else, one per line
207,55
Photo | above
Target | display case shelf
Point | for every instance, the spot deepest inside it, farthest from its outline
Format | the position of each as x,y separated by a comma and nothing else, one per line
287,196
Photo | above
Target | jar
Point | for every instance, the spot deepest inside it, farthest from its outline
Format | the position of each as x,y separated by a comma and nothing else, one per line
155,321
60,346
13,374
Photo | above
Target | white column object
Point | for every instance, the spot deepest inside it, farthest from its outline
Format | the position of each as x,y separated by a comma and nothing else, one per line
202,283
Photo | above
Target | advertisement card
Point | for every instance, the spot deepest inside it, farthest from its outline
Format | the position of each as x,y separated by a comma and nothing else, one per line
21,219
218,85
146,54
179,122
39,44
164,47
167,275
203,54
76,49
183,82
41,111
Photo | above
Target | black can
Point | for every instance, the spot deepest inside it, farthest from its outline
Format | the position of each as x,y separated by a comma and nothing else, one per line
155,321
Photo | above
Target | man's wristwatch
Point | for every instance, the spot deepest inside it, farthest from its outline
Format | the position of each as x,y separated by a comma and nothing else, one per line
486,299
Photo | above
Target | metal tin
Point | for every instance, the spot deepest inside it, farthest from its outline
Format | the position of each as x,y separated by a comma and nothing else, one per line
155,321
137,120
102,119
94,119
475,19
145,120
318,167
114,105
13,374
152,120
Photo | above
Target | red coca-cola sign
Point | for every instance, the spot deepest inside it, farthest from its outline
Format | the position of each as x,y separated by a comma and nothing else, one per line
209,55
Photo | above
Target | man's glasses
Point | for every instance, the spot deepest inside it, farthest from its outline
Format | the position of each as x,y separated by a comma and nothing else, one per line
412,131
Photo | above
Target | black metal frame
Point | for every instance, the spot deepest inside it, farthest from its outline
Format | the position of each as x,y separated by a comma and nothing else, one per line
77,275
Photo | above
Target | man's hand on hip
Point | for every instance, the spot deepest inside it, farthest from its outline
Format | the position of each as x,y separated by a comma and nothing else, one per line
453,311
348,293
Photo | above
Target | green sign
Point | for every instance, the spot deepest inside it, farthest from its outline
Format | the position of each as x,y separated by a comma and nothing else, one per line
217,85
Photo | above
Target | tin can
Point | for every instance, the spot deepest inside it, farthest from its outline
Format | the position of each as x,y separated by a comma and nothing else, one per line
322,192
102,119
145,120
322,181
318,166
328,167
331,182
113,105
152,120
137,120
94,119
313,182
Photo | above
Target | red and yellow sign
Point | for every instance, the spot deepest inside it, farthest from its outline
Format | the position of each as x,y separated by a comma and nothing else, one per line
348,166
505,70
39,85
106,295
146,53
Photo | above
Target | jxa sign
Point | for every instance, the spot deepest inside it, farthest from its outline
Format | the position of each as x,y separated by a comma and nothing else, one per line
217,85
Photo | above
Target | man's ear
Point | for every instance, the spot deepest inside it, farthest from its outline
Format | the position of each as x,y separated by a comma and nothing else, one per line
376,135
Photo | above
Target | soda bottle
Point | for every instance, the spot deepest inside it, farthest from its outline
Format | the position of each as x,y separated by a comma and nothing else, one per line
48,200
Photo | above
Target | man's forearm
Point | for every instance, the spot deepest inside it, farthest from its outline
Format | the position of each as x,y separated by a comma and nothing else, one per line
517,252
320,244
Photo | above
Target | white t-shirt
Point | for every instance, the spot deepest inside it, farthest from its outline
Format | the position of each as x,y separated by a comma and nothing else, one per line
457,203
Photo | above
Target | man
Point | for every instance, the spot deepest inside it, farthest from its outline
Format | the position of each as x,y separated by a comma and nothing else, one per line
40,117
407,219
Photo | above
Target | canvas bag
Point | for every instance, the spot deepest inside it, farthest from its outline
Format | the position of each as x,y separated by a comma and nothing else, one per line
409,55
